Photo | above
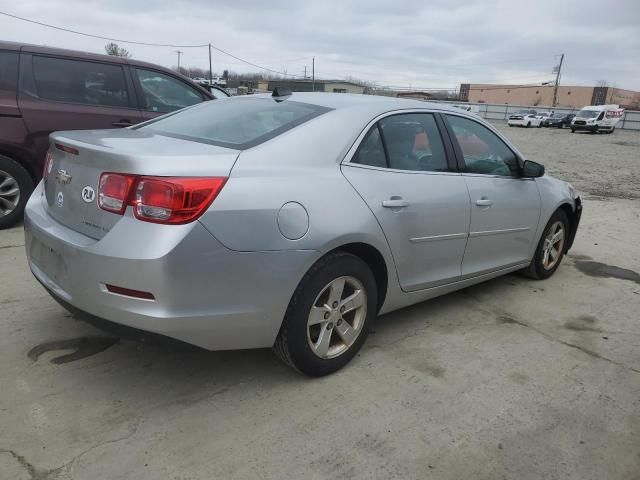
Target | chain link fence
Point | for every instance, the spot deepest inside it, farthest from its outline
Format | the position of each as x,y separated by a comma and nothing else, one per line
500,112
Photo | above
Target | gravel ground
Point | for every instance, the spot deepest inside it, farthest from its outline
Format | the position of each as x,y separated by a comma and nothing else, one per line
599,165
509,379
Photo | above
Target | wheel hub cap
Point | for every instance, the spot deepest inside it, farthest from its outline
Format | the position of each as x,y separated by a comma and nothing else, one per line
9,193
337,317
553,245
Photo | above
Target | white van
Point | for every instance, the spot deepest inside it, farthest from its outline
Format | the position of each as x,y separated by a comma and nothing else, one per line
597,118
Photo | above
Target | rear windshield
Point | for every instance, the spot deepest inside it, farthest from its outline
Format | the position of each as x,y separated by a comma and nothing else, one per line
239,123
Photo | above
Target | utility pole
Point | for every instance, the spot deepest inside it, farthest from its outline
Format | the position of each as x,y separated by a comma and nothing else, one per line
313,74
555,90
305,71
210,69
178,52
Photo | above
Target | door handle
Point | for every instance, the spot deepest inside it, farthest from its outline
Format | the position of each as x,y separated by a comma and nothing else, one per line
395,202
484,202
122,123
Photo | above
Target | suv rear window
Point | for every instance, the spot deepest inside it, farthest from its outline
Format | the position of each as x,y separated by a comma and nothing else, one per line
8,73
235,123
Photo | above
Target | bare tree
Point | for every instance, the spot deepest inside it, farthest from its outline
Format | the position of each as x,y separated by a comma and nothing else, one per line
114,50
602,83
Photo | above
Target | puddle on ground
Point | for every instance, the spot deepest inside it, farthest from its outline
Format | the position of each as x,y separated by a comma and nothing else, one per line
82,347
597,269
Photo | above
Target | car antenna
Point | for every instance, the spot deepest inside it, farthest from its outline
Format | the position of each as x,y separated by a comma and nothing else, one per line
280,92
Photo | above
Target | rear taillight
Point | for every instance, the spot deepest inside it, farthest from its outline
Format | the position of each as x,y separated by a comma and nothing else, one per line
170,200
114,191
48,165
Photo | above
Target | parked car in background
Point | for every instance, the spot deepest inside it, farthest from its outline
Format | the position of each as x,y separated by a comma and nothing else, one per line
468,108
45,89
525,118
543,115
289,221
597,118
559,120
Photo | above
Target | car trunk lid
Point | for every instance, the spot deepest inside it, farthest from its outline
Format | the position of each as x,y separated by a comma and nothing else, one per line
80,157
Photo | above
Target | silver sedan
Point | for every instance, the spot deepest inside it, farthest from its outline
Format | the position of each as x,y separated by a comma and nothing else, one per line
288,221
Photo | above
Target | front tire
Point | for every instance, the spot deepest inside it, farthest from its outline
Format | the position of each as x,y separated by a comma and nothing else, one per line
551,247
528,124
16,186
329,315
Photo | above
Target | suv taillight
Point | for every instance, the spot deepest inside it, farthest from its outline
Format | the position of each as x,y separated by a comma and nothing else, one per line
169,200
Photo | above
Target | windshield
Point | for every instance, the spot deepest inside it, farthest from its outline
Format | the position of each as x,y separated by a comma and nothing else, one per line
235,123
587,114
557,115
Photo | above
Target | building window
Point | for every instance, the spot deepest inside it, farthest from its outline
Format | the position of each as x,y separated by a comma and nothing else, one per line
508,91
339,90
537,92
569,93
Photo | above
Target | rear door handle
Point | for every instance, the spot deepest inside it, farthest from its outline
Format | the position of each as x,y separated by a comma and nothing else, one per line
122,123
484,202
395,202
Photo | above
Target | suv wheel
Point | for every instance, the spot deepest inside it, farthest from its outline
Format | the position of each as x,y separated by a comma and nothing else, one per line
15,187
329,315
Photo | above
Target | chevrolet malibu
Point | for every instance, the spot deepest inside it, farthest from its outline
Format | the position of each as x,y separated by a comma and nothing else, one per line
288,221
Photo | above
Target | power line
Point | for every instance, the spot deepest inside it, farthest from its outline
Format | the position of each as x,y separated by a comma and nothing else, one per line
149,44
101,37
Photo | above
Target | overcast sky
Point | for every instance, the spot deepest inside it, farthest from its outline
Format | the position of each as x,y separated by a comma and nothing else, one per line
407,43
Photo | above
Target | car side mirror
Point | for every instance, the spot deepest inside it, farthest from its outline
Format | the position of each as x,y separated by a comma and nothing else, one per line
532,169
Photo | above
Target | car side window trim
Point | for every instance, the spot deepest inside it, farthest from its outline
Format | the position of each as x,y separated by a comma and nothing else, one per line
458,150
384,144
375,123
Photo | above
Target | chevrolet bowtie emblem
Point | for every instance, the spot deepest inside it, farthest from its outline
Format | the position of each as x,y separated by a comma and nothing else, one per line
63,177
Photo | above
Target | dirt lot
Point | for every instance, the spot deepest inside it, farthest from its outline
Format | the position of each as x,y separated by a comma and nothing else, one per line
600,165
511,379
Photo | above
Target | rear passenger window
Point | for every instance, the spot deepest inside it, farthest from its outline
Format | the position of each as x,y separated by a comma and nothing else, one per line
371,151
8,73
413,143
404,142
77,81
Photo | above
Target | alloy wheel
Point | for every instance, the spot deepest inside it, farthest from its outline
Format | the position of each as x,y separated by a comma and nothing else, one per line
337,317
553,245
9,193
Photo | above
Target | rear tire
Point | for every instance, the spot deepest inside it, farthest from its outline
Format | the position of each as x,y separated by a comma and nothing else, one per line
529,125
16,186
315,315
573,130
544,264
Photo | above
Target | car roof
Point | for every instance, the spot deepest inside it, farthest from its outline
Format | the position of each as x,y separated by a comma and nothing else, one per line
63,52
371,103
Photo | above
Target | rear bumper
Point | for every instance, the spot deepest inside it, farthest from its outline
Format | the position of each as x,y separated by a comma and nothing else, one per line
205,294
518,123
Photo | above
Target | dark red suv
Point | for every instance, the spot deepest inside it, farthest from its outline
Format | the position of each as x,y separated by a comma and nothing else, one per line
46,89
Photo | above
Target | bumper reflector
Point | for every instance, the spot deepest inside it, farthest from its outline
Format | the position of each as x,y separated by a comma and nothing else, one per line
128,292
